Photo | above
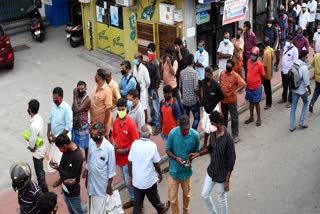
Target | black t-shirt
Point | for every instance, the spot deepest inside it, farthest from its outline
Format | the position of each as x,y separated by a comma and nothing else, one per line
70,167
181,64
211,95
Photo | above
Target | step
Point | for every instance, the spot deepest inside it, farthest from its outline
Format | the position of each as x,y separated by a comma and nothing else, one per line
20,26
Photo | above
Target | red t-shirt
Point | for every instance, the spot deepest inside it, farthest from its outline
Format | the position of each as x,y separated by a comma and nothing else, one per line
170,114
124,137
255,74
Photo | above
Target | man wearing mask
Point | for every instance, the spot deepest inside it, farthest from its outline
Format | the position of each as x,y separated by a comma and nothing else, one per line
124,133
201,59
101,166
182,141
312,7
316,40
101,102
290,55
225,51
127,82
155,80
231,84
135,109
283,23
304,17
80,108
271,32
182,53
292,17
237,57
267,60
140,72
250,41
316,64
300,41
254,85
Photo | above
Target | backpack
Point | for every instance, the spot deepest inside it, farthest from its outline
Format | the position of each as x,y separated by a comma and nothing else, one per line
294,76
137,85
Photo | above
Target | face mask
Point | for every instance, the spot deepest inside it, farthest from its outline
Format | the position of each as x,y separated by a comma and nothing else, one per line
306,61
304,9
269,25
96,138
57,101
184,132
238,36
62,149
151,55
253,57
122,114
129,104
213,128
29,112
167,97
123,72
299,36
288,43
318,30
200,48
207,79
81,93
136,62
225,41
228,69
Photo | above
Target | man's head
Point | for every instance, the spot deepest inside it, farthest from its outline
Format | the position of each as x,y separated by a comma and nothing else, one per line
57,95
266,41
125,67
151,47
230,65
100,76
304,7
146,131
81,88
97,132
167,92
33,107
168,52
137,59
216,119
63,142
178,42
281,10
190,60
246,26
299,32
289,39
133,99
122,108
201,44
291,5
303,56
108,75
254,53
239,33
184,125
270,22
226,37
20,174
208,73
48,203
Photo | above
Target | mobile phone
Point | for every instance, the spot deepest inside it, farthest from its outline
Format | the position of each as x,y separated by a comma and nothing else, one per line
52,163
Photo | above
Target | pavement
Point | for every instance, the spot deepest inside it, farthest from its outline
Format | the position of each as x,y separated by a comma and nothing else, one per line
272,166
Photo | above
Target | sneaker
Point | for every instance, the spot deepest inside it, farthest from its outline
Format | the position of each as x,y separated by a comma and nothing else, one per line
128,204
156,131
311,108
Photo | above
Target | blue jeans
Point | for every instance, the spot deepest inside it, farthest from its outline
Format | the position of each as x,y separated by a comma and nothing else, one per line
154,105
222,195
295,99
316,94
125,177
73,204
196,114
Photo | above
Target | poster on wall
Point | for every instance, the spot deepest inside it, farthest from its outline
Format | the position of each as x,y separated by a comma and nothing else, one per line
234,10
99,12
114,13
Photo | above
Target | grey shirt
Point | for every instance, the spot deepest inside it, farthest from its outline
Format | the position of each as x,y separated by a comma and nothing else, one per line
137,115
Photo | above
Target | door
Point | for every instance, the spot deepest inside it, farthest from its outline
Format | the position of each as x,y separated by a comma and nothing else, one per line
13,10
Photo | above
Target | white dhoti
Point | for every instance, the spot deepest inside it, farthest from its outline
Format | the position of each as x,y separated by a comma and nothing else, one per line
144,99
97,204
205,121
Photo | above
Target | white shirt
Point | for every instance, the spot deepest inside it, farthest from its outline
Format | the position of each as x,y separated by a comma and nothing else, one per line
297,9
225,49
288,58
304,18
143,155
36,129
142,76
312,6
202,58
316,38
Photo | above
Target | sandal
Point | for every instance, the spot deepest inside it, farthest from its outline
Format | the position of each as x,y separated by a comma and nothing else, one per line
303,126
165,170
258,123
250,120
267,107
291,130
166,207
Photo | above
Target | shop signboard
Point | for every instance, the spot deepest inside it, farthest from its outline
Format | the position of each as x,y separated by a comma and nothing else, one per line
202,15
234,10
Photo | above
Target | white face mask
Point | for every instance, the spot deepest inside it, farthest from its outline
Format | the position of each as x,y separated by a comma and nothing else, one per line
269,25
288,43
213,128
318,30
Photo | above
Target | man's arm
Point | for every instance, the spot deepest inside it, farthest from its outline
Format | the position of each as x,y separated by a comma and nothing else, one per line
75,169
82,106
33,138
49,132
68,119
111,169
147,78
128,87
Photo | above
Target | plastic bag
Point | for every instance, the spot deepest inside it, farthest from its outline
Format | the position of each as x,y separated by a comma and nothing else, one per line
113,205
52,154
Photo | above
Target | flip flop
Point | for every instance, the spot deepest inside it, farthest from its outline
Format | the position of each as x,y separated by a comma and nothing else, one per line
258,123
303,126
250,120
166,207
291,130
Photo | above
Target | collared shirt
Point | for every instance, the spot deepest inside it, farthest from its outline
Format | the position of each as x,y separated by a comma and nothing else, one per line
115,93
189,86
312,6
255,74
154,73
288,58
182,64
60,118
101,167
304,18
142,76
28,198
304,75
168,77
297,8
301,43
126,85
143,155
80,118
283,23
170,114
124,137
316,63
267,60
292,25
138,116
225,49
316,39
223,156
229,83
36,129
271,33
181,146
211,95
249,42
203,58
238,44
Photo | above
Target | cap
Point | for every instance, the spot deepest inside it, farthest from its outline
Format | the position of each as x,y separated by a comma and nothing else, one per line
255,50
304,5
184,122
291,3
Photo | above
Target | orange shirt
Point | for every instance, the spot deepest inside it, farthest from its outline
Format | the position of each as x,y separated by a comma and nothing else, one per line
229,83
115,93
255,74
170,114
168,78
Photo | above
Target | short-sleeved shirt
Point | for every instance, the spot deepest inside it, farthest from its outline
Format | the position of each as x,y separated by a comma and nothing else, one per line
189,85
60,118
181,146
168,77
143,155
290,55
138,116
115,93
211,94
250,41
271,33
225,49
267,62
301,43
255,74
36,130
304,18
312,6
170,113
229,83
238,44
101,167
316,38
127,84
304,75
203,58
316,63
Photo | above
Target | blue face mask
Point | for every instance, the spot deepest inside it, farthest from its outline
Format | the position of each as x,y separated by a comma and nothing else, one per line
226,41
129,104
299,36
200,48
136,62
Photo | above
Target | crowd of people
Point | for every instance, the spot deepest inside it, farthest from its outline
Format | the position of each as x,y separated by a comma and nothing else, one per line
114,126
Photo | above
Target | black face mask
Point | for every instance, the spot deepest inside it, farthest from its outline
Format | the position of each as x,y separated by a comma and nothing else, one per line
167,97
81,93
238,36
123,72
96,138
207,79
228,69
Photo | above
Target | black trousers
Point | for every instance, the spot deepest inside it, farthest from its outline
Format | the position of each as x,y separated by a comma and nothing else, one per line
285,87
245,66
152,195
232,108
268,92
41,176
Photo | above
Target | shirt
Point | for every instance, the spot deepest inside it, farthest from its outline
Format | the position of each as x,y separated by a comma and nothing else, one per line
255,74
304,18
211,95
316,63
297,8
271,33
189,86
225,49
316,39
60,118
283,23
249,42
126,86
312,6
170,114
292,25
182,64
138,116
124,137
70,167
143,155
115,93
318,12
222,156
238,44
288,58
36,129
154,73
168,77
304,75
267,60
181,146
230,82
142,76
101,167
203,58
301,43
28,198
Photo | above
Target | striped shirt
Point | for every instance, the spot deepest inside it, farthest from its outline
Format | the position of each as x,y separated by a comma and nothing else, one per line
189,86
28,198
223,156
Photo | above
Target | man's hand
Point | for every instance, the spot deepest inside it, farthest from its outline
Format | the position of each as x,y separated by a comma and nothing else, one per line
54,165
177,47
187,164
69,181
109,189
309,92
75,93
121,151
179,160
115,145
31,150
160,178
226,186
130,181
194,155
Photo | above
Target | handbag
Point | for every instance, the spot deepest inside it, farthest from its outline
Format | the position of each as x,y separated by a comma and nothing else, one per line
113,205
52,154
